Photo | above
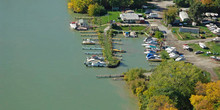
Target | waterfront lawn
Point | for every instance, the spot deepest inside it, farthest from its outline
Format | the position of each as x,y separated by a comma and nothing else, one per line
112,15
213,47
183,36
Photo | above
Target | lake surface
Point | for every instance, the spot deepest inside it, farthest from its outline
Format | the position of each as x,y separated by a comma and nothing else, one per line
41,62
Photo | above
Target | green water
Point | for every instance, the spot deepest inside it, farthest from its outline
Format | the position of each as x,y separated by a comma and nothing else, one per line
41,62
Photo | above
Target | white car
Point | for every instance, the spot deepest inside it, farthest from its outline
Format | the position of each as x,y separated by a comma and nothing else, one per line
185,46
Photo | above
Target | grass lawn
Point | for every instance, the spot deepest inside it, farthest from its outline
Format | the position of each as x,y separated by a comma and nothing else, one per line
207,32
133,28
183,36
213,47
190,36
217,71
112,15
101,28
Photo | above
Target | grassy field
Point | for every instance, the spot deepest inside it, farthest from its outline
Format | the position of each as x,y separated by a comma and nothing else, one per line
217,71
207,32
213,47
133,28
191,36
112,15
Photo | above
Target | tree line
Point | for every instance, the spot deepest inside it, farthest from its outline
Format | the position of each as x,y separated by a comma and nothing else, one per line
173,85
99,7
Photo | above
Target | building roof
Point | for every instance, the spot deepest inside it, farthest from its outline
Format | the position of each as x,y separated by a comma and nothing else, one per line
129,16
129,11
183,15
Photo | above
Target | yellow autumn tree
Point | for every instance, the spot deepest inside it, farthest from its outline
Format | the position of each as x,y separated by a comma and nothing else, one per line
160,103
207,96
207,2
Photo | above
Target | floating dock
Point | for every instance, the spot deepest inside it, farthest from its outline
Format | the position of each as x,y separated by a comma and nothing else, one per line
87,31
93,53
119,43
91,48
109,76
89,35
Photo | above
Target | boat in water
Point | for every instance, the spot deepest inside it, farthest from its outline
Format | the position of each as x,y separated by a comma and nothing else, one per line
88,42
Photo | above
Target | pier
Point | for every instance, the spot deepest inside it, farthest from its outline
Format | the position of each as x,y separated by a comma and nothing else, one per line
119,43
91,48
93,53
109,76
96,38
89,35
87,31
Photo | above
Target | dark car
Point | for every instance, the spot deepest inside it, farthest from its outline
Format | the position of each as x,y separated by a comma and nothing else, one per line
190,49
199,52
147,12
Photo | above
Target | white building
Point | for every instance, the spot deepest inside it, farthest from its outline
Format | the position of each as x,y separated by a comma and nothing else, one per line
129,17
183,16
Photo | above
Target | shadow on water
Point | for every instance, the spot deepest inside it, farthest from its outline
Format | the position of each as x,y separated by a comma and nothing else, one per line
123,64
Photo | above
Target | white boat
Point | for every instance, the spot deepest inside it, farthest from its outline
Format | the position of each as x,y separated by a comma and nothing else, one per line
173,55
133,34
88,42
94,57
202,45
180,58
96,63
170,49
73,25
185,46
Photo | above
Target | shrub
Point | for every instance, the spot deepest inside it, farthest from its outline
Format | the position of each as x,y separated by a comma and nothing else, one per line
96,10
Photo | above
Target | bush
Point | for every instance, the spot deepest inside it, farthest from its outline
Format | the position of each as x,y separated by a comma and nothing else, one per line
96,10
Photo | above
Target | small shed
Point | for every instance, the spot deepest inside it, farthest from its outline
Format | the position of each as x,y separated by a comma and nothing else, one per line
189,29
183,16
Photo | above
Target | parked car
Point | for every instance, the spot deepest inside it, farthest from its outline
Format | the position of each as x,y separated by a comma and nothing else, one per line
199,52
152,15
185,46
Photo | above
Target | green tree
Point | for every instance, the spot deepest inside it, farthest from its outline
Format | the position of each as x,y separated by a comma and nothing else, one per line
126,3
196,10
133,74
164,55
159,35
114,3
96,10
170,15
160,102
138,3
183,3
175,80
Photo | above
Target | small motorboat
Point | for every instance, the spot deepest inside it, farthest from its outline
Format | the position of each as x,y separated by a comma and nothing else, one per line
73,25
185,46
202,45
88,42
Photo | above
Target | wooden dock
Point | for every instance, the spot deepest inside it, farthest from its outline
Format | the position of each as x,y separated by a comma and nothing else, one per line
93,53
87,31
91,48
109,76
89,34
119,43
